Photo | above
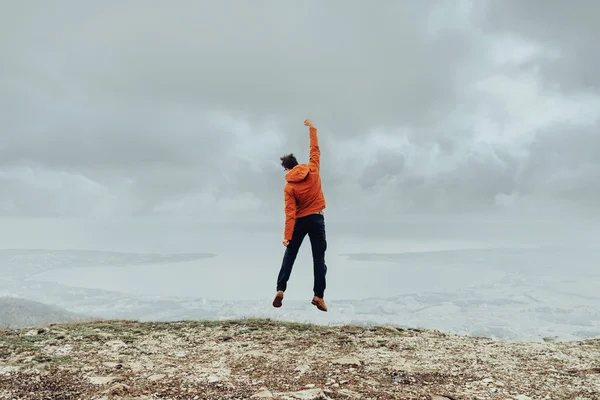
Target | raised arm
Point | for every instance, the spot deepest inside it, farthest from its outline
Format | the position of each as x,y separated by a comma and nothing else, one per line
314,161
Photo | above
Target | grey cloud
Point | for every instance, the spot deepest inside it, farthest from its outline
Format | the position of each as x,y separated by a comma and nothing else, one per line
145,106
569,27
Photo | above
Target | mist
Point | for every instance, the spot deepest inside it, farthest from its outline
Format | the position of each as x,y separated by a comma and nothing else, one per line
140,145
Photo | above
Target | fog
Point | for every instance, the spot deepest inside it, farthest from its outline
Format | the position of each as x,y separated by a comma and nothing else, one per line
140,145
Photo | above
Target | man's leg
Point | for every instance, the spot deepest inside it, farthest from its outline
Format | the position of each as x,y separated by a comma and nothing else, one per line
289,257
318,241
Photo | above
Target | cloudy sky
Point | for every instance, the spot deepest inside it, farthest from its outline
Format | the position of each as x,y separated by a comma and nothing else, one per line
183,108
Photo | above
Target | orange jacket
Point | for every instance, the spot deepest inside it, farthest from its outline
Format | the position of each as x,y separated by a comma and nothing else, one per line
302,192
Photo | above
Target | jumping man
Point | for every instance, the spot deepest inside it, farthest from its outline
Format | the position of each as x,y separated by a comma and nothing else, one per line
304,205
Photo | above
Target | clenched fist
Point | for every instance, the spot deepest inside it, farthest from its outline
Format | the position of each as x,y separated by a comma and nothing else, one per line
309,123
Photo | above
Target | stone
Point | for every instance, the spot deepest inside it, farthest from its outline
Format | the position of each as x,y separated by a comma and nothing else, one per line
522,397
156,377
101,380
263,394
7,369
115,344
309,394
347,361
302,368
119,389
112,364
310,385
255,353
349,393
135,366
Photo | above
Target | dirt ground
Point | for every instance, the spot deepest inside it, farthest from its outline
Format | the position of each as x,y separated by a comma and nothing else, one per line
265,359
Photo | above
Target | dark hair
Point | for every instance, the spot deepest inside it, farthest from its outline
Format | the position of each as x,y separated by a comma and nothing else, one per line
288,161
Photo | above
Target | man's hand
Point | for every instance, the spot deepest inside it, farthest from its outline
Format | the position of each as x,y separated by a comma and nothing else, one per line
286,243
309,123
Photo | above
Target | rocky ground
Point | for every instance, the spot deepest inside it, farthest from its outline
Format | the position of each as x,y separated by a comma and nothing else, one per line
263,359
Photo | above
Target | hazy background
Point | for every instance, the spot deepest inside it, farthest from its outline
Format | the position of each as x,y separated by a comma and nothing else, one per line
147,127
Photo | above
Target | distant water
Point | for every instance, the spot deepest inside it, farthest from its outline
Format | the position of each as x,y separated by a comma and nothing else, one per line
524,281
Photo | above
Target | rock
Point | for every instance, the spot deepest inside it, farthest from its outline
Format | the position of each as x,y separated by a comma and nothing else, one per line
255,353
135,366
349,393
213,379
32,332
115,344
310,394
156,377
522,397
310,385
487,381
119,390
347,361
112,365
302,368
101,380
402,364
7,369
434,397
263,394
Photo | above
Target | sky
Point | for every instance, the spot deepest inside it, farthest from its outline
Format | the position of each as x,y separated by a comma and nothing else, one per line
182,109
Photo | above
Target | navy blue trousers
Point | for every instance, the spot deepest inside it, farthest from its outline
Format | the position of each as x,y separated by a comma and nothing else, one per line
314,226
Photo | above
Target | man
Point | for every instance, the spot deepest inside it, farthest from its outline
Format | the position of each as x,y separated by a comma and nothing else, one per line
304,205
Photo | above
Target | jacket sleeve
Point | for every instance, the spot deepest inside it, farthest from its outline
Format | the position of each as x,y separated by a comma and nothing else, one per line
290,213
315,153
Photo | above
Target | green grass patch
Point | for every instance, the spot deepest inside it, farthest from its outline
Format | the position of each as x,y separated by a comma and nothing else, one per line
129,330
14,344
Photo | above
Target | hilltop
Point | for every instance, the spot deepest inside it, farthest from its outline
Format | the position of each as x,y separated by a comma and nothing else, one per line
264,359
22,313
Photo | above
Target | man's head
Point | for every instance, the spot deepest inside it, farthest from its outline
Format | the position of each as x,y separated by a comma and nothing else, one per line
288,161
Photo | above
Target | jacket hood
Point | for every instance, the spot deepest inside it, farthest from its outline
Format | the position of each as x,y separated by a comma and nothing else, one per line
298,173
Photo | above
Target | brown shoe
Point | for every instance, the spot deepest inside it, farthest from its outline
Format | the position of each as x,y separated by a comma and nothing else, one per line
320,303
278,301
